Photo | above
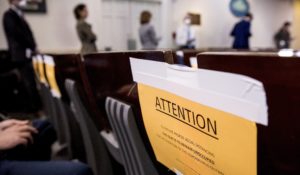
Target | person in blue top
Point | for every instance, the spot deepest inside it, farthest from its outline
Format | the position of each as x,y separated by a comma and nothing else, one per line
241,32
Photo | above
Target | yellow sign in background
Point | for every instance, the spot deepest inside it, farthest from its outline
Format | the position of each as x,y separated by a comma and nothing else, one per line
35,66
50,71
195,139
41,69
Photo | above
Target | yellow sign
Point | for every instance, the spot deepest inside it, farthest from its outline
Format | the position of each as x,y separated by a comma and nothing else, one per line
35,66
41,71
195,139
50,71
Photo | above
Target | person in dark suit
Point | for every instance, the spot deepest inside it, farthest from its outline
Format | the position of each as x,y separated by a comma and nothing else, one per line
19,36
241,32
84,30
22,46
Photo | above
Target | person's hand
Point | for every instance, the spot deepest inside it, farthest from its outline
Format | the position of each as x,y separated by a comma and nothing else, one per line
16,135
11,122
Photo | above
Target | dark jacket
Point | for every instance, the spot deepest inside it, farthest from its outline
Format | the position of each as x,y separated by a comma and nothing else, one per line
19,36
241,33
283,39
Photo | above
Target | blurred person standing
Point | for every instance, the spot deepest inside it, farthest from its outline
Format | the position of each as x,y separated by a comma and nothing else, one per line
147,33
185,35
84,30
283,37
241,32
22,47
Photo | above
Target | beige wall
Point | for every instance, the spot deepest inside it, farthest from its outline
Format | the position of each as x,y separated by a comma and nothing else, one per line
296,25
55,31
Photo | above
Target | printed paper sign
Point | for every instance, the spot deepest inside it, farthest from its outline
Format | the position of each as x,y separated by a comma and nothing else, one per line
197,139
197,131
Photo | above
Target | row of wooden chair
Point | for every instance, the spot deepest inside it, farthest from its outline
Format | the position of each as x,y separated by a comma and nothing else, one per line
80,81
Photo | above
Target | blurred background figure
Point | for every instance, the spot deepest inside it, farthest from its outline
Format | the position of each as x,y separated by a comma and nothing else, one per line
241,32
283,37
185,35
147,34
84,30
22,47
